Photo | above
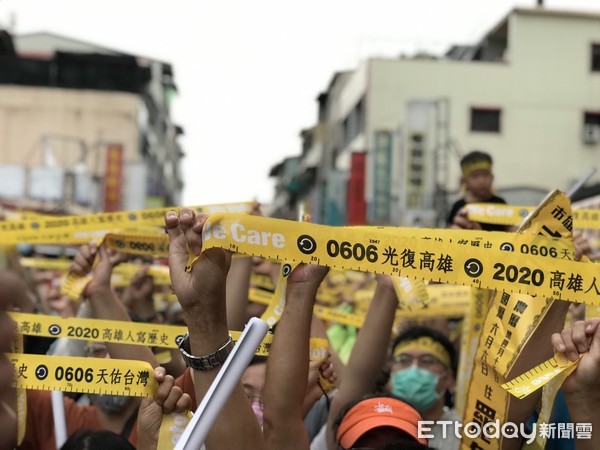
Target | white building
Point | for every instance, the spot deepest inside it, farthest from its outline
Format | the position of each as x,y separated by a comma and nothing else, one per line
528,93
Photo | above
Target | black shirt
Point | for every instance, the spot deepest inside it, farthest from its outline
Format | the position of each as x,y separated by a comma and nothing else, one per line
459,204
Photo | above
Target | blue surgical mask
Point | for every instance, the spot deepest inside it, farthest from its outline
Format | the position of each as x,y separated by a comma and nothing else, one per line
417,387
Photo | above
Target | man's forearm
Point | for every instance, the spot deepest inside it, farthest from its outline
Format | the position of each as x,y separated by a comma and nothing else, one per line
585,409
106,306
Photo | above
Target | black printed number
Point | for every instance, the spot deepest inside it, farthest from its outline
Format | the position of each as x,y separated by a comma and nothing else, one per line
89,333
539,250
143,246
357,251
523,275
77,374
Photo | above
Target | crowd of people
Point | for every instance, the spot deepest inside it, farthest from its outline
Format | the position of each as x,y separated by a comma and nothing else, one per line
389,376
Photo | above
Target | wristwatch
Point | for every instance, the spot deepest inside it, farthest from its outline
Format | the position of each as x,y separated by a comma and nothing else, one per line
206,362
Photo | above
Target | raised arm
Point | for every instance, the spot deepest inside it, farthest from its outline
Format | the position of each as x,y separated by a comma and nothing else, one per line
103,300
201,294
168,399
369,353
287,366
582,387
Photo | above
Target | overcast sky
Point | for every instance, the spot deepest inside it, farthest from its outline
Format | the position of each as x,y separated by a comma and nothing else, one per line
249,72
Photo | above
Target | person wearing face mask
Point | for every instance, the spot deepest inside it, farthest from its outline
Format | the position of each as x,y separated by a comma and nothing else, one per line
422,375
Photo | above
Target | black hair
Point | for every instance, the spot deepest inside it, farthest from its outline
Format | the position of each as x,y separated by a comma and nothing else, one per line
417,332
475,156
405,446
96,440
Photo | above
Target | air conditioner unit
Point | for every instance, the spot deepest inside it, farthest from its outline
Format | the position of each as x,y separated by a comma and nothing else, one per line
591,134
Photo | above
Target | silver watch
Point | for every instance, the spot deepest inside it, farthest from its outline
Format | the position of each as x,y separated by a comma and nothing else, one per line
206,362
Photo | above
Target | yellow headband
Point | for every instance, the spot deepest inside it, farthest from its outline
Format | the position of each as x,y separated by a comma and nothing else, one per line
425,344
469,168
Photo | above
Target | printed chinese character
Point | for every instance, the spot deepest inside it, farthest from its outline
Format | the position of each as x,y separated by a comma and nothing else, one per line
143,377
487,244
593,286
500,313
565,430
36,328
494,329
488,392
102,374
25,327
575,283
445,263
141,336
558,213
557,280
565,254
427,261
568,223
484,369
489,341
520,307
408,258
546,430
21,371
163,339
583,431
514,319
391,255
128,377
115,376
504,299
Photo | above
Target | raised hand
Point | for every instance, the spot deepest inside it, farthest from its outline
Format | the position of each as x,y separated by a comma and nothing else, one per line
201,290
83,263
581,339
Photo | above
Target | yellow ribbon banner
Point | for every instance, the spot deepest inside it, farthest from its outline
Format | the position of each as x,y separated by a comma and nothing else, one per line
500,214
84,375
135,333
437,258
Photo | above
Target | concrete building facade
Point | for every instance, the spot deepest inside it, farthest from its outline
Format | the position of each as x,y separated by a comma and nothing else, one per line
64,106
528,93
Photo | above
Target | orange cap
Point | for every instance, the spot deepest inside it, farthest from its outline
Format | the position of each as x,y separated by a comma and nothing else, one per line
378,412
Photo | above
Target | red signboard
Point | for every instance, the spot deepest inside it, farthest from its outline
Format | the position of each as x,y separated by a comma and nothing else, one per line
113,178
357,207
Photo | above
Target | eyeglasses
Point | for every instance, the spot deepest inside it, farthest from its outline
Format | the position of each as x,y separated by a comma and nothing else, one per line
423,361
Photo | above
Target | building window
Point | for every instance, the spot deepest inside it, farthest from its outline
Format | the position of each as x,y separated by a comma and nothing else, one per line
485,120
591,128
595,57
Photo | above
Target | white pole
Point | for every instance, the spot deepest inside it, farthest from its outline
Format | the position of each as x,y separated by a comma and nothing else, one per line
60,423
221,388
